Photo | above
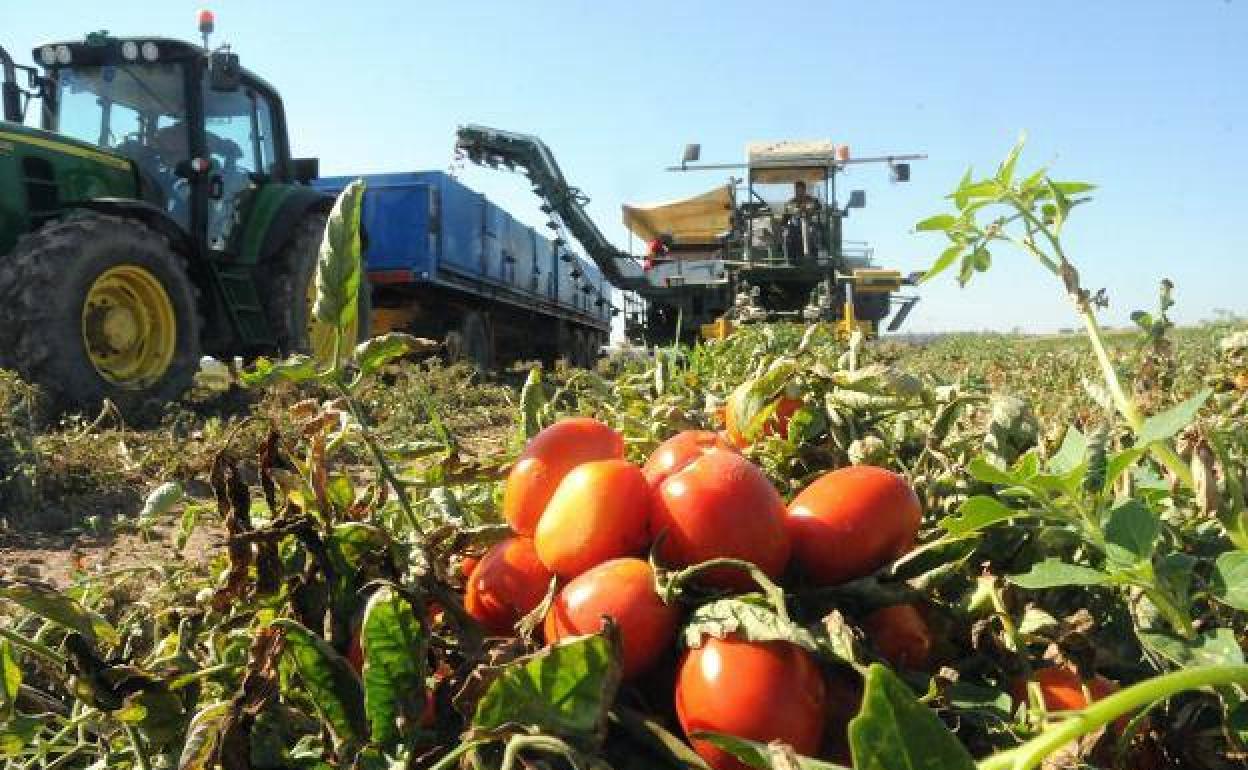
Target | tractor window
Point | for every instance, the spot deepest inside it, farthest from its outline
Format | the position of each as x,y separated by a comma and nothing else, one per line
120,107
239,129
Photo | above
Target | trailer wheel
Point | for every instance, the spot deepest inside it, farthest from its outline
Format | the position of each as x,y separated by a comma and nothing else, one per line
289,286
97,307
475,343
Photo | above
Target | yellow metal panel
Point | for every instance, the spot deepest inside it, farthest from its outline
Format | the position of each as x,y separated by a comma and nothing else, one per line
718,330
392,319
69,149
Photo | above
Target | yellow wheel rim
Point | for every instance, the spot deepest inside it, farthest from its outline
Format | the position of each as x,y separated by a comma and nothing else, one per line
129,328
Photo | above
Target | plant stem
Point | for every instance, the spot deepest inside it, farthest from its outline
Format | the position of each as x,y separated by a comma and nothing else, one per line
1103,712
383,465
140,751
34,648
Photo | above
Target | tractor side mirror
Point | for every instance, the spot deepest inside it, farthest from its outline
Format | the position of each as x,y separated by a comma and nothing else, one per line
857,200
225,74
304,170
901,172
693,153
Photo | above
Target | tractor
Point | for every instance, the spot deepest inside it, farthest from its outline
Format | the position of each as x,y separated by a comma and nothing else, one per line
155,216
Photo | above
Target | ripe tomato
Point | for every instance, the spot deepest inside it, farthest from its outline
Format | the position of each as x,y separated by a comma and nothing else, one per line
624,590
777,423
600,511
467,564
680,450
900,634
547,459
851,522
721,505
1063,690
763,691
507,584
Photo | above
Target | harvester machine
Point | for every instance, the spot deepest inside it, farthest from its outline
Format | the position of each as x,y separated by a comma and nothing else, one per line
766,247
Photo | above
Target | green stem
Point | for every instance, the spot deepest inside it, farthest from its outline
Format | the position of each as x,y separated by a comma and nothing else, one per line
140,751
1103,712
773,592
1035,697
34,648
383,465
546,743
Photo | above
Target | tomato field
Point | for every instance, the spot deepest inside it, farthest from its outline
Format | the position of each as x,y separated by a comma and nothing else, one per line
780,550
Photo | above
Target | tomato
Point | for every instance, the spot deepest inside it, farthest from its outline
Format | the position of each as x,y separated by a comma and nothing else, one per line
680,450
547,459
467,564
721,505
507,584
777,423
624,590
1062,689
762,691
900,634
852,521
600,511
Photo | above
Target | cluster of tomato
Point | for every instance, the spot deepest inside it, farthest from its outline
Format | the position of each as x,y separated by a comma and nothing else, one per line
584,515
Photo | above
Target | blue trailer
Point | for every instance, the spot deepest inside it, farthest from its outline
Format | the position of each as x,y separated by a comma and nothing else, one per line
446,263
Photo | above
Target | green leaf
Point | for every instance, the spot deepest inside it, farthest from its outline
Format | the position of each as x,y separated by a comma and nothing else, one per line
1230,579
186,525
338,274
333,686
202,736
1119,463
960,198
1061,206
748,617
760,755
394,647
1073,188
1161,427
750,402
987,188
983,470
938,222
1131,534
938,554
60,609
893,731
1005,172
375,352
563,690
1051,573
532,401
356,543
161,500
1217,647
10,681
17,733
976,513
296,368
1072,453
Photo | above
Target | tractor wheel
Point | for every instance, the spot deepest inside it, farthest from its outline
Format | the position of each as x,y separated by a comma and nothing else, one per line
289,286
475,343
96,307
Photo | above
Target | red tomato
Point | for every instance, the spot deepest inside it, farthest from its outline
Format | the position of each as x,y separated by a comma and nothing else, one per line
680,450
600,511
762,691
852,521
624,590
900,634
721,505
507,584
777,423
467,564
1063,690
547,459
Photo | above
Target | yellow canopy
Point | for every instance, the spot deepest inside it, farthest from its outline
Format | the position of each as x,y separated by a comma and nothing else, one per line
700,219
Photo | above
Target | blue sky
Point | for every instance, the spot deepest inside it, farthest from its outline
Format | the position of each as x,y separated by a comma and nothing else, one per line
1147,98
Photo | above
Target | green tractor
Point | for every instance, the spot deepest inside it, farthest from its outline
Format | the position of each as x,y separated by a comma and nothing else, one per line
156,216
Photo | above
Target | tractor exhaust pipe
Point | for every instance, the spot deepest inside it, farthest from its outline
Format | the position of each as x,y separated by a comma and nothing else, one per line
10,92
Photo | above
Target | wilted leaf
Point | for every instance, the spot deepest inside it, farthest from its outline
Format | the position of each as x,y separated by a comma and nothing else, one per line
296,368
376,352
203,735
747,617
60,609
338,271
161,500
893,731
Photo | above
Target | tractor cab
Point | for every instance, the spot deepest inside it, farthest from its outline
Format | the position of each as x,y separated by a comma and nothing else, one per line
201,130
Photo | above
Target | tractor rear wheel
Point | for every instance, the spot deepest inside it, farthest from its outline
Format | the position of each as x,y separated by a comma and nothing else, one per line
96,307
289,287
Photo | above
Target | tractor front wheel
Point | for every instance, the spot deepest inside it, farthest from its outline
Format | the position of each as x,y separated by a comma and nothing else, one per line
96,307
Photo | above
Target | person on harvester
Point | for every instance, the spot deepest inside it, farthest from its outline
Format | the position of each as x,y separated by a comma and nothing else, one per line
658,250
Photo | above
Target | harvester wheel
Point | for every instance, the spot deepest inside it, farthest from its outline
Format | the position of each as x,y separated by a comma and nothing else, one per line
289,287
96,307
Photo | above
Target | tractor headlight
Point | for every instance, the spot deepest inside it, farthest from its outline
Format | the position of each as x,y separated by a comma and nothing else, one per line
63,56
47,55
151,52
130,50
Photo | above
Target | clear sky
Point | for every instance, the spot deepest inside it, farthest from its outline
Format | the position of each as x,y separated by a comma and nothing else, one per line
1147,98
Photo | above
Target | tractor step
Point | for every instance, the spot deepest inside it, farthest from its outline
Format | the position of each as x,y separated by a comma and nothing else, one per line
242,301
